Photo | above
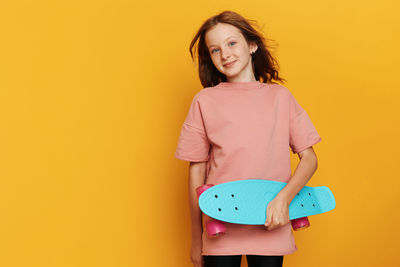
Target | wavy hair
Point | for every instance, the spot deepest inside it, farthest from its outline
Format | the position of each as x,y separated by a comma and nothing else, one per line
265,66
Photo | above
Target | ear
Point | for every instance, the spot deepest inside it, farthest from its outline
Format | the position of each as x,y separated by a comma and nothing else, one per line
253,47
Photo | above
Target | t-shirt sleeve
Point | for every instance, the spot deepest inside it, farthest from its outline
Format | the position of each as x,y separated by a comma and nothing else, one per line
302,133
193,144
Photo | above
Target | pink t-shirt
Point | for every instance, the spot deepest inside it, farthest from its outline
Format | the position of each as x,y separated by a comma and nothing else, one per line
244,130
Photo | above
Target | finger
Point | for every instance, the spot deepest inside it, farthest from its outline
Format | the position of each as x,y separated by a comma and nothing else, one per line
269,217
266,220
273,225
269,220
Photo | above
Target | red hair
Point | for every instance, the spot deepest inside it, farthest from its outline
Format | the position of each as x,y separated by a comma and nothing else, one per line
265,66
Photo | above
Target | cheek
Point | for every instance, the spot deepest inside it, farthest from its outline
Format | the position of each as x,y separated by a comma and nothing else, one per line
215,61
245,53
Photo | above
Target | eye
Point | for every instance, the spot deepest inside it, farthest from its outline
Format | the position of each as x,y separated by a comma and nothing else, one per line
233,42
212,51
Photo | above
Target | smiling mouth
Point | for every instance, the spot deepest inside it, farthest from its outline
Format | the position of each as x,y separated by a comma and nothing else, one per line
229,64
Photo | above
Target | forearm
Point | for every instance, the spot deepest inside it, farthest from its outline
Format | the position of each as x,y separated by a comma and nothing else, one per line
196,179
304,171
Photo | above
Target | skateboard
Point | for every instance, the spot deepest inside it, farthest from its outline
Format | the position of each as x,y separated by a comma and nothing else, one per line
246,201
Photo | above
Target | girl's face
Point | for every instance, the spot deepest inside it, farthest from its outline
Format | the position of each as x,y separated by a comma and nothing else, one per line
230,53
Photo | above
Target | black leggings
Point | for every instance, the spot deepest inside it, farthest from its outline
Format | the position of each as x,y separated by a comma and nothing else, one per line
235,260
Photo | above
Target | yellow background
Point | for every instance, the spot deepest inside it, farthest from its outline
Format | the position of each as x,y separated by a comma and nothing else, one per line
92,98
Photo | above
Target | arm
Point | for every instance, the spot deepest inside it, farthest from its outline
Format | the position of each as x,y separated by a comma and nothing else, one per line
197,172
304,171
278,208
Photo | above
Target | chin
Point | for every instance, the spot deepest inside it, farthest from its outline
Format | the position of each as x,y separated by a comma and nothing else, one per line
231,74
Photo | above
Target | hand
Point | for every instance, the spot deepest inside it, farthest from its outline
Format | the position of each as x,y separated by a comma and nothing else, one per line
277,213
195,253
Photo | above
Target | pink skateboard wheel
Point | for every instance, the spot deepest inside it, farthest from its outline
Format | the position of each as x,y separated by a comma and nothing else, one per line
300,223
215,228
202,188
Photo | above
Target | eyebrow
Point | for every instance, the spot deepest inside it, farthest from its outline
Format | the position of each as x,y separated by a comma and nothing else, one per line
224,40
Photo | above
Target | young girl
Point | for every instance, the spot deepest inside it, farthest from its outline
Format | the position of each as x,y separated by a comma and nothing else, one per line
241,126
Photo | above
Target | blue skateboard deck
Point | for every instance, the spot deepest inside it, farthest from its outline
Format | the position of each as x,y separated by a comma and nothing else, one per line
246,201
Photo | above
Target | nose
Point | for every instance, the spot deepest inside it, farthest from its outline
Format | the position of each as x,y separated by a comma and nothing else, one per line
225,53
